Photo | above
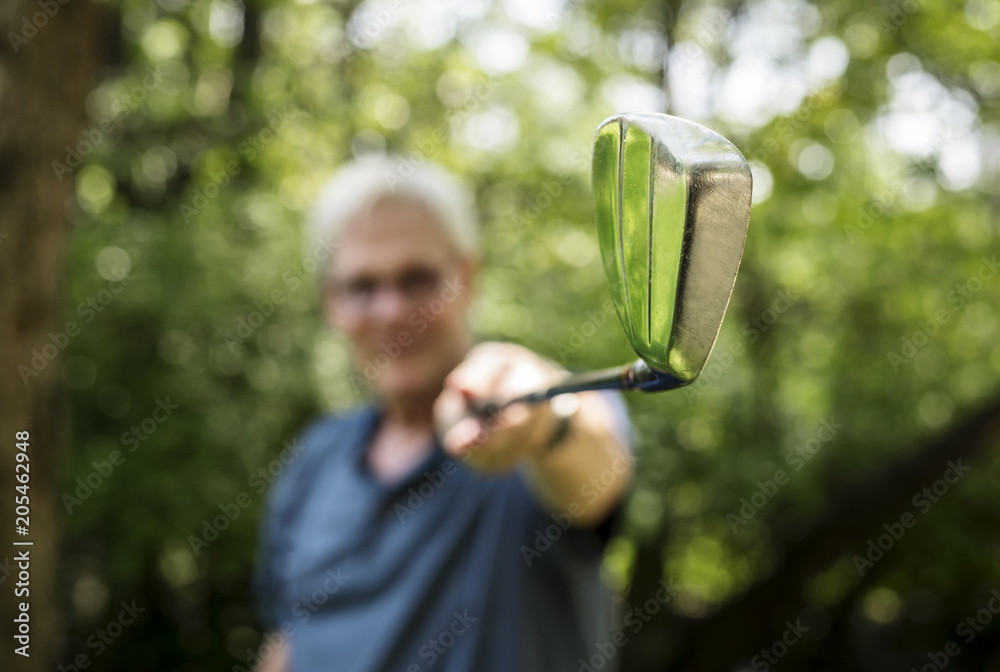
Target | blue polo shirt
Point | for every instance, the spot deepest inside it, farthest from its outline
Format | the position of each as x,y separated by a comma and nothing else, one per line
448,570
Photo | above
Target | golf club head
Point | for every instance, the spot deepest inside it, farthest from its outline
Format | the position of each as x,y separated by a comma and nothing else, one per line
672,206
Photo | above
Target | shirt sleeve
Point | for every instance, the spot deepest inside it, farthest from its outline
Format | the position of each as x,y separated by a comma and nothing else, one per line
263,584
266,585
281,504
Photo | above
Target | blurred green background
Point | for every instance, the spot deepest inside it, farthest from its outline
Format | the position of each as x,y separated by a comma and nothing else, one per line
859,355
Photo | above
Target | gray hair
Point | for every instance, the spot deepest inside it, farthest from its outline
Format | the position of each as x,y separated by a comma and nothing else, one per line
359,185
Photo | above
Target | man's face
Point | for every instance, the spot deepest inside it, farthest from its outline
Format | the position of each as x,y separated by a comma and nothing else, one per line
399,291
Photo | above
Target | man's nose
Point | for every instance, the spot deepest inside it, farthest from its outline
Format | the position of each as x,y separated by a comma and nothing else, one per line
389,303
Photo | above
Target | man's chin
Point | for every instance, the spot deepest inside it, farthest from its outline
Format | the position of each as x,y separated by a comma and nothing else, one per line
400,384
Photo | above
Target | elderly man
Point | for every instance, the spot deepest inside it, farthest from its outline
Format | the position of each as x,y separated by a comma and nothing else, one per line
412,534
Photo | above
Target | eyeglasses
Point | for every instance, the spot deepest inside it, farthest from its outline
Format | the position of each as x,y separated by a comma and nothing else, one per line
416,285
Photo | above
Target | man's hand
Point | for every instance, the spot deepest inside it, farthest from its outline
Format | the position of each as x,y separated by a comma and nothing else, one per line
584,476
496,371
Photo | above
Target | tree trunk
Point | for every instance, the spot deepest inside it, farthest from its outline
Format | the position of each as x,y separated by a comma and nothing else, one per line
48,65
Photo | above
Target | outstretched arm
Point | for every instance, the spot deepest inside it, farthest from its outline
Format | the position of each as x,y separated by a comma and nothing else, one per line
584,474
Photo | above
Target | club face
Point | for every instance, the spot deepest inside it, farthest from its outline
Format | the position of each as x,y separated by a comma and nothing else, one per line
672,206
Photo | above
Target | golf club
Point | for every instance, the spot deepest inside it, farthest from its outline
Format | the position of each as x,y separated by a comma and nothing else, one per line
672,207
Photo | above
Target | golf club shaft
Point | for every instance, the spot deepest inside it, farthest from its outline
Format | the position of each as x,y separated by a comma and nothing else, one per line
635,376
